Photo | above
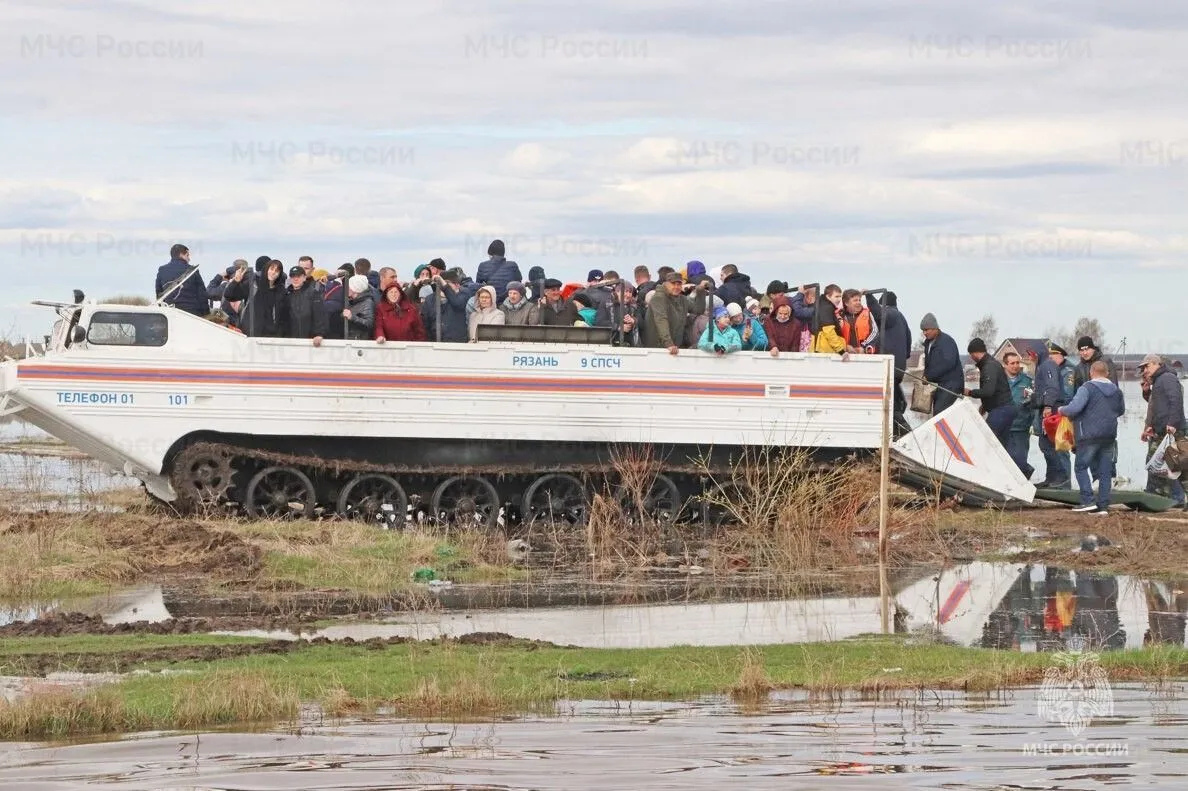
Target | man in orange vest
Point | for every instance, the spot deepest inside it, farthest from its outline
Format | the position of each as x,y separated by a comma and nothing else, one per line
858,327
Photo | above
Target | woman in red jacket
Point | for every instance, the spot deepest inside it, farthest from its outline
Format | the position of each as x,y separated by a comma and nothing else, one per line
397,319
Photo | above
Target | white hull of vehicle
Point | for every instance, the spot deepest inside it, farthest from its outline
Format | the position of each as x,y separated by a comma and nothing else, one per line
132,406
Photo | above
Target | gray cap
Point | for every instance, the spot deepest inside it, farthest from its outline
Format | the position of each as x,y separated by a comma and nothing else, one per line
929,322
1151,359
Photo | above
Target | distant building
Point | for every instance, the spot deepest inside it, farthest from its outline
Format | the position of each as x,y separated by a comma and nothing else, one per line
1030,350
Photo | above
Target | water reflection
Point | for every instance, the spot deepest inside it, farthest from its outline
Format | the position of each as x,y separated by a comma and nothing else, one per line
1050,609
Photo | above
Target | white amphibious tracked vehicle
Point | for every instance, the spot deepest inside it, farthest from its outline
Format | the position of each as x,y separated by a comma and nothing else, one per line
525,424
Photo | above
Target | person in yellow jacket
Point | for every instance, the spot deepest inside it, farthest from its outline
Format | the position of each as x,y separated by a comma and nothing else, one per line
826,338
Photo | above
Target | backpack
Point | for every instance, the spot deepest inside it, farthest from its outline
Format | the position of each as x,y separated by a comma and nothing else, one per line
1176,456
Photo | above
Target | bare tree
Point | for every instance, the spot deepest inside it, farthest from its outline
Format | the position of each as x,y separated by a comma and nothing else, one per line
986,328
1092,328
1067,339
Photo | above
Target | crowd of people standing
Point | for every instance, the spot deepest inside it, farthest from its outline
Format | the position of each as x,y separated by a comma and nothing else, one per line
715,311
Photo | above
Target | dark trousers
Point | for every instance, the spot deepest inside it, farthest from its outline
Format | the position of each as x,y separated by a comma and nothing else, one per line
1000,419
942,400
1096,456
1018,446
1058,463
899,407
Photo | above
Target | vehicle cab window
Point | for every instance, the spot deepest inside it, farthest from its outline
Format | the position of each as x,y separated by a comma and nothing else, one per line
112,328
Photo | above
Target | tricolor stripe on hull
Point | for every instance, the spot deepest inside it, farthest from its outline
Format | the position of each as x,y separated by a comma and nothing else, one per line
433,382
950,437
950,606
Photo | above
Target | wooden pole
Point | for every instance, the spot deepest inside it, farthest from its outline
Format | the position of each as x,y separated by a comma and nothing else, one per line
884,476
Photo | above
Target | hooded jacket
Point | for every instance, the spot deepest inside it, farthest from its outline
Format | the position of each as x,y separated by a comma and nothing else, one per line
728,339
1166,407
783,335
497,271
736,288
307,314
1095,409
455,327
361,324
667,317
758,341
897,335
191,296
265,313
491,315
333,301
524,313
400,321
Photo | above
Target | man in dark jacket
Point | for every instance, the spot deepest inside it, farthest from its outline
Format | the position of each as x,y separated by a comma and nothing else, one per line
333,301
897,341
942,364
1165,415
994,390
190,296
1053,389
1095,409
643,282
598,287
555,310
497,271
452,291
736,287
306,312
1090,354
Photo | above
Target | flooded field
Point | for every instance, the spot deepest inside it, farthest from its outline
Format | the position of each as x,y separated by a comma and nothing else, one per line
916,740
1022,607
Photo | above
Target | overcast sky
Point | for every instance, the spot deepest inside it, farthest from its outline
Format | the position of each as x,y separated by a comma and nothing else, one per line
1020,158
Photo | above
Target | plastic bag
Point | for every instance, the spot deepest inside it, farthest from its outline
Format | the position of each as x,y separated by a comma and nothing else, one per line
1156,464
1065,436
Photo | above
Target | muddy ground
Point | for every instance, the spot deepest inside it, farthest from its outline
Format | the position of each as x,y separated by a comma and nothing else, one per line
34,663
212,577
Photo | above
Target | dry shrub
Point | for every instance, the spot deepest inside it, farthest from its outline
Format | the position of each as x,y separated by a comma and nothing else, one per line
621,532
219,698
753,684
464,696
787,514
58,713
224,697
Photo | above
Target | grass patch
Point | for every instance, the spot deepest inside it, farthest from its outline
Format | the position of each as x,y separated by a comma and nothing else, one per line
365,560
51,555
216,698
447,680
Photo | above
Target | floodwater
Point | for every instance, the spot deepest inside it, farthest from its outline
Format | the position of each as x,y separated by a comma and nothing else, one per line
992,605
68,481
146,603
918,740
